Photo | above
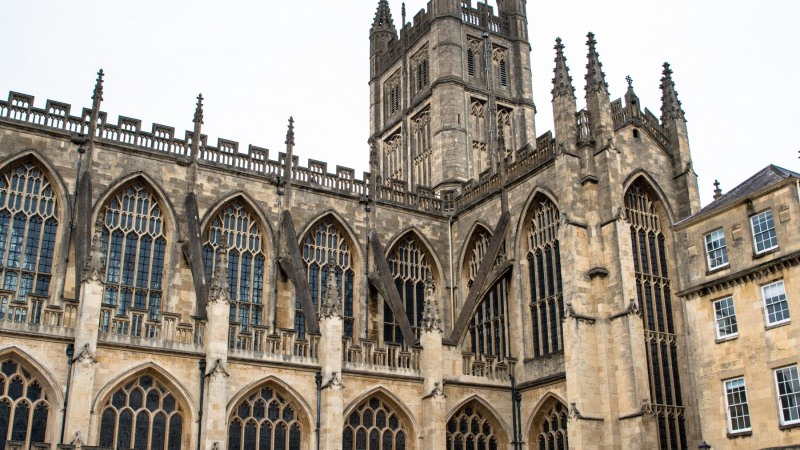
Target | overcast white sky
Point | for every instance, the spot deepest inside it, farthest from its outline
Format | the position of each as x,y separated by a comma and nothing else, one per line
736,64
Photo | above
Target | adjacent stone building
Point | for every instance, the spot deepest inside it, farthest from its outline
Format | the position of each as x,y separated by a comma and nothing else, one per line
480,288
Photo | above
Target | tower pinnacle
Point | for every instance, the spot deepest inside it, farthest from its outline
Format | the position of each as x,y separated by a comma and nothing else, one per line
198,110
595,78
562,82
670,105
98,86
383,18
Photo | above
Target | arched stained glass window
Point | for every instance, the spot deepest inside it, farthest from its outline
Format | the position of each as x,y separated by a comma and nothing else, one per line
134,249
324,248
265,421
24,406
544,270
142,414
246,261
410,267
479,246
28,225
552,429
374,425
653,289
469,429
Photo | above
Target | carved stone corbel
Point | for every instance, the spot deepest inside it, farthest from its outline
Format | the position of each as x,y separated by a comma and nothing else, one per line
218,370
86,356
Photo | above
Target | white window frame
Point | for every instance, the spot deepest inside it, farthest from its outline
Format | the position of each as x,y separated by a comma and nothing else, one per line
728,406
732,316
722,248
764,289
755,217
796,394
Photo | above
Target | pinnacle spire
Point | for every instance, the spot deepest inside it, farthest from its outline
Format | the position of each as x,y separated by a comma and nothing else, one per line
595,78
670,105
383,18
717,190
220,287
631,99
198,111
98,86
562,82
290,132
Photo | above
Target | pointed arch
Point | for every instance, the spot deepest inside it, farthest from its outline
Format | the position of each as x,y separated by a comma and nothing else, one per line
263,407
250,204
478,228
475,408
437,266
31,242
167,207
394,402
340,221
37,370
547,426
522,225
642,176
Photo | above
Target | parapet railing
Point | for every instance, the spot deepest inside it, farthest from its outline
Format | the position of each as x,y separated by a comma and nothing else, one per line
623,115
257,340
33,310
366,355
489,367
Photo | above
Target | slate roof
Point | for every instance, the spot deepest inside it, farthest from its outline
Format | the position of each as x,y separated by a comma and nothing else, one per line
765,177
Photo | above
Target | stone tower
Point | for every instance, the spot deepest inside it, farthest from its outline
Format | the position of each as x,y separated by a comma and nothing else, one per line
450,94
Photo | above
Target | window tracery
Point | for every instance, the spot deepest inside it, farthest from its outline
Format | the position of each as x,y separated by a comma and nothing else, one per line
504,127
142,414
421,147
326,248
488,328
265,421
469,429
474,53
499,57
24,405
246,261
29,218
653,289
544,270
374,425
552,429
419,70
410,268
393,160
134,243
393,98
480,155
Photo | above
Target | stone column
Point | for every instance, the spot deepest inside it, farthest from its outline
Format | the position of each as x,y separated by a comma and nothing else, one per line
81,393
215,423
433,402
330,359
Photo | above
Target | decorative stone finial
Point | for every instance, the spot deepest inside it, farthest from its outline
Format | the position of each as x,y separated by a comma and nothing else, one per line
198,110
562,82
629,79
383,18
717,190
670,105
94,270
290,132
220,288
430,317
595,78
331,303
98,86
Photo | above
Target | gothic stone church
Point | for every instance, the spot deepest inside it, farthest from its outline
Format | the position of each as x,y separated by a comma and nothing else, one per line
481,288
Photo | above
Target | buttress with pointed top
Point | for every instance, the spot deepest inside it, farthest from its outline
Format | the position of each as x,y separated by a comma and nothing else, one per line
562,82
595,78
98,86
670,105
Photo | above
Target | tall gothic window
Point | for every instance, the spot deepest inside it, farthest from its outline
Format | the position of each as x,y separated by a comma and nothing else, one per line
392,89
544,271
142,414
410,267
326,248
134,248
477,122
24,406
246,262
393,160
488,329
373,425
421,147
265,421
469,429
504,119
419,70
28,226
649,245
552,429
499,56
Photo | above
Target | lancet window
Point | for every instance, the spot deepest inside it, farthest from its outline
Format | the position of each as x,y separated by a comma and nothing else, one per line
552,429
392,92
326,248
653,289
265,421
410,268
478,248
134,244
419,70
488,328
374,425
469,429
477,122
142,414
504,128
474,53
500,56
24,406
544,272
421,148
393,160
246,261
29,213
